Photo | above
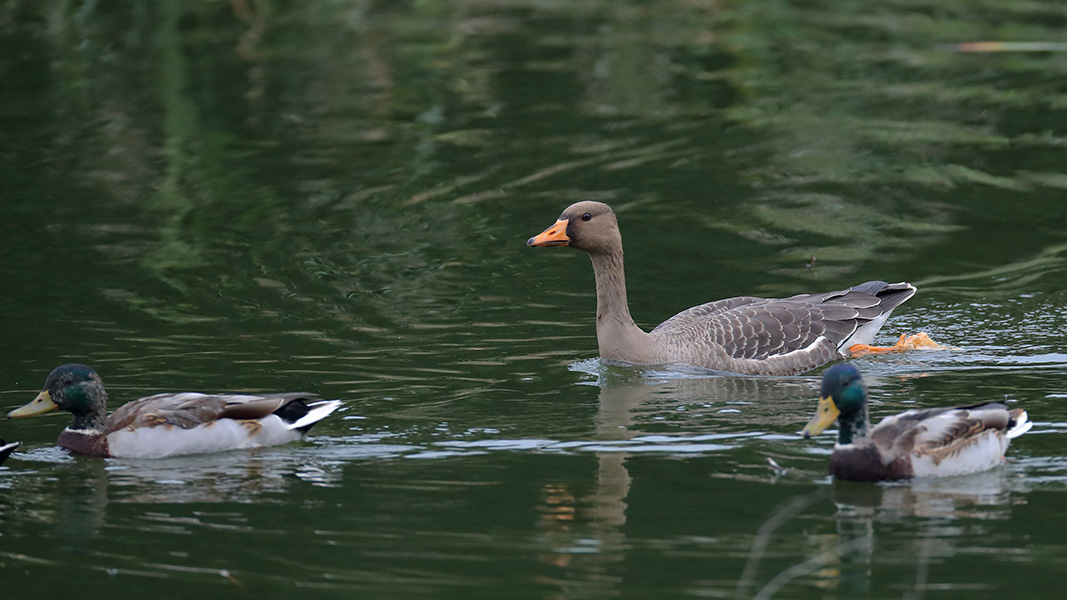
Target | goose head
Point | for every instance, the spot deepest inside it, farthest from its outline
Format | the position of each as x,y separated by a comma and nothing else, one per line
588,226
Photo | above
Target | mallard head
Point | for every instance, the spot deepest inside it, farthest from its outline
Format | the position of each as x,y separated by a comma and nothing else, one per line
843,398
74,388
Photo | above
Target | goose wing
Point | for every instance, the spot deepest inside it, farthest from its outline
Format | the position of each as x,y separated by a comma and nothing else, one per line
760,328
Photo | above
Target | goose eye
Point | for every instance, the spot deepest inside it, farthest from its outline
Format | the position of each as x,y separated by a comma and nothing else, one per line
586,217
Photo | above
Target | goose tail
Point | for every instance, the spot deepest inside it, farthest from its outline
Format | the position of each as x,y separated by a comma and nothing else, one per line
890,295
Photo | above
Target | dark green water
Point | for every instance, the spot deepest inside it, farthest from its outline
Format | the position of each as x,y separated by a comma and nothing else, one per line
265,196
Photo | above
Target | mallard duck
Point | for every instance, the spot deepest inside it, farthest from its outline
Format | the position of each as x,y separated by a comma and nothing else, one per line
6,449
171,424
780,336
933,442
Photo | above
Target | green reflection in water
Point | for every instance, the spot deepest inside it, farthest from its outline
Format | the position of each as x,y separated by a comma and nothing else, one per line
334,197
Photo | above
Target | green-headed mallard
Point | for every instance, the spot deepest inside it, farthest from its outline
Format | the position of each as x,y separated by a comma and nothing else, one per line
6,449
933,442
743,335
171,424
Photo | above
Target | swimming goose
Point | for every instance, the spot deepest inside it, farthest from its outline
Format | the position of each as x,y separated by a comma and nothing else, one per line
782,336
171,424
934,442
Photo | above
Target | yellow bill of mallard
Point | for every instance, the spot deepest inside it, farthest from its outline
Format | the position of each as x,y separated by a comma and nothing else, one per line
825,415
38,406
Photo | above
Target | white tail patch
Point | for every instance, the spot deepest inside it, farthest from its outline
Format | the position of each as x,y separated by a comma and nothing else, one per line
1022,425
865,333
319,411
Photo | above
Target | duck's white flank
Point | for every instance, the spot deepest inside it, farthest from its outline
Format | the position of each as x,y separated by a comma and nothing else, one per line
979,453
969,454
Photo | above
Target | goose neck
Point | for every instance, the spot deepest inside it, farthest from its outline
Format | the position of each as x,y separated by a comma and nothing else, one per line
618,337
610,287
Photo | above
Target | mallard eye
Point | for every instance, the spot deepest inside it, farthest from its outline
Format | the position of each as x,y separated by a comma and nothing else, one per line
68,382
586,217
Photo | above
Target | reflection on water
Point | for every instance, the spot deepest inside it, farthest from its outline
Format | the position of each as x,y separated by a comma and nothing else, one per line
260,196
239,477
940,503
979,496
586,532
866,513
672,412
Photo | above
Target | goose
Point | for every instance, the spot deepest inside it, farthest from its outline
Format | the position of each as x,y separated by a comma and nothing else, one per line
748,335
933,442
170,424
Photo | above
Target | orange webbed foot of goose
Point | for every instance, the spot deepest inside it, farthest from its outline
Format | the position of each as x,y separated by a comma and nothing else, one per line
919,341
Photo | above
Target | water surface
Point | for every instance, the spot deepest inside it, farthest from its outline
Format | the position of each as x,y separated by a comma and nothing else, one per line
253,196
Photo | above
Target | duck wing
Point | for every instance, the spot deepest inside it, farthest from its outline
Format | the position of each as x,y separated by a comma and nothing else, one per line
187,410
949,441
